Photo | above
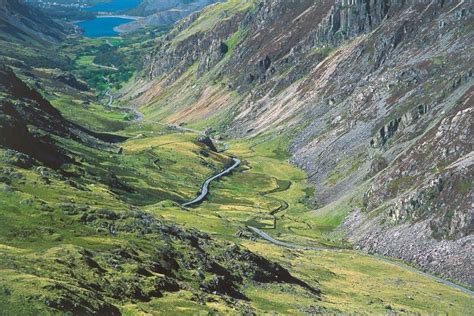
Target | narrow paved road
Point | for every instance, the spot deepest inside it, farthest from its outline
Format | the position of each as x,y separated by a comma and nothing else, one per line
105,67
224,148
271,240
236,162
184,129
439,280
111,98
205,186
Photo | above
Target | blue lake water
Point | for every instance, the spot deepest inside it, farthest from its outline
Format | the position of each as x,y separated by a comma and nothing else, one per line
115,6
99,26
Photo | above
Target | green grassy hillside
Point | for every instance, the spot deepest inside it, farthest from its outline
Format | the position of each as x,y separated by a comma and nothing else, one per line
90,240
91,221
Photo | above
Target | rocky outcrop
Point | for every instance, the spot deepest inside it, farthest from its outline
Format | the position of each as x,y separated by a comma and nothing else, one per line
324,24
219,268
207,141
177,53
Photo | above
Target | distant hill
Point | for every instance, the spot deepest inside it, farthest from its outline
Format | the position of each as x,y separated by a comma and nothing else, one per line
167,12
27,36
20,22
149,7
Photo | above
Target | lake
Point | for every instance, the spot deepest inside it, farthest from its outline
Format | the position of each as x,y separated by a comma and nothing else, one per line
104,26
101,26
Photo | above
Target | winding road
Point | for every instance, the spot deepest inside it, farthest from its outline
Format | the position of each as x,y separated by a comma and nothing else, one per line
105,67
204,191
111,98
274,241
184,129
205,186
280,243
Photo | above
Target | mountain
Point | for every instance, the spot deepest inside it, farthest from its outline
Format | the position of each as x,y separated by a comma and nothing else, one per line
375,97
19,22
149,7
157,12
239,162
27,35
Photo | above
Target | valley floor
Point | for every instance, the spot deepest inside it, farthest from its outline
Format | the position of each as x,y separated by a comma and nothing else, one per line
265,192
268,193
85,234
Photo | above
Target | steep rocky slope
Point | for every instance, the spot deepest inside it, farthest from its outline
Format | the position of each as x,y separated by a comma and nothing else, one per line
28,123
19,22
375,95
26,35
